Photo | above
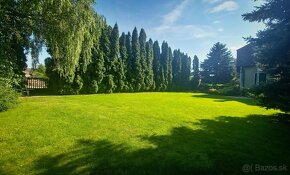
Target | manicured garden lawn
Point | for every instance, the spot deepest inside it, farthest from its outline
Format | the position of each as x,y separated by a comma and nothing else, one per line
140,133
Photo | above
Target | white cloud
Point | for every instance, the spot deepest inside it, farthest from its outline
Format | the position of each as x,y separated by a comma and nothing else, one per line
225,6
172,16
220,29
211,1
216,22
184,32
168,28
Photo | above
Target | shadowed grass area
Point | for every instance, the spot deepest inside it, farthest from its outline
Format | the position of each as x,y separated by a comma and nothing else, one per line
142,133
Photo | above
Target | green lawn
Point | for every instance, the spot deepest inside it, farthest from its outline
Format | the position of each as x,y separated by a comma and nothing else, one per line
140,133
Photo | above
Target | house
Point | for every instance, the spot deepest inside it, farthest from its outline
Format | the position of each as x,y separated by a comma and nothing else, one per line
249,72
27,72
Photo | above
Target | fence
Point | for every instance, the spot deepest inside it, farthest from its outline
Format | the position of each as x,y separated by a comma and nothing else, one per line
36,83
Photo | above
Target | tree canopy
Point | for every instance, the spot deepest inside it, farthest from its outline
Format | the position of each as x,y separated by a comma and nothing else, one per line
217,68
272,51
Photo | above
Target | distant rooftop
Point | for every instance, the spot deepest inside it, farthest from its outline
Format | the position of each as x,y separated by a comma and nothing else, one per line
245,56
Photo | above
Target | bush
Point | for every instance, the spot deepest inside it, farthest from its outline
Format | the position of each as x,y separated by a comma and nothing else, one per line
229,89
8,97
274,95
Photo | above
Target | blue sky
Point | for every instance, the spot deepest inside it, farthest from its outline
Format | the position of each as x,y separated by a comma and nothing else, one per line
190,25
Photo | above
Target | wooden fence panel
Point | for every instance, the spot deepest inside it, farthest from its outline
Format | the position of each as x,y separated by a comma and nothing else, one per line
36,83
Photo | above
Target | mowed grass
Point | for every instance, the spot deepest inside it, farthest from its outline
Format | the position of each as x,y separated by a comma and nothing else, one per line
140,133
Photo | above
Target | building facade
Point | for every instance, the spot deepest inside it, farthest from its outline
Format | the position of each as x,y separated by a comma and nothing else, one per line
249,72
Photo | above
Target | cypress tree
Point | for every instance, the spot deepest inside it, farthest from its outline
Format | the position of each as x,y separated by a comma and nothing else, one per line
137,67
95,73
164,64
157,69
195,74
185,71
149,78
108,84
177,70
169,72
142,42
124,59
129,63
117,66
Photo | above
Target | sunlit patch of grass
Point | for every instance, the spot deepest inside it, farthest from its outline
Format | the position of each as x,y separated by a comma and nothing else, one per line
138,133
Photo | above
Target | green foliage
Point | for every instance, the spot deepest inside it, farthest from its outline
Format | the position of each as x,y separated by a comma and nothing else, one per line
144,67
109,84
137,65
164,61
8,97
169,69
129,63
272,48
39,72
149,78
123,63
195,80
217,68
157,68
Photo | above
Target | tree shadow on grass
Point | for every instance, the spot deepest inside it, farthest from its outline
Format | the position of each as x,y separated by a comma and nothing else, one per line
221,98
221,146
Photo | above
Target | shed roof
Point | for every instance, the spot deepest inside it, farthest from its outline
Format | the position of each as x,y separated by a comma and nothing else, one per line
245,56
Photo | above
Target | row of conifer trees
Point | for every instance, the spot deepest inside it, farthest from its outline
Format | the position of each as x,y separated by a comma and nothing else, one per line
125,63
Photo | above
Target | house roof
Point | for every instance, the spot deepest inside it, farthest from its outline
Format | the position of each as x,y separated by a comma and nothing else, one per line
245,56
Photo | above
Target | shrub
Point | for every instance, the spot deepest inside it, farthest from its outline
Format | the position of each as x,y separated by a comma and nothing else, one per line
274,95
8,97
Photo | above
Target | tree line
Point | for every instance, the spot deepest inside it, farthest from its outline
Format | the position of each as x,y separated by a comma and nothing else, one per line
92,56
124,63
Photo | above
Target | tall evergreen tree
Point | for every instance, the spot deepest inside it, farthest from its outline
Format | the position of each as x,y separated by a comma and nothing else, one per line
157,69
108,84
137,66
272,51
117,66
176,70
195,73
123,60
164,64
94,75
185,71
142,42
169,72
149,78
217,68
129,64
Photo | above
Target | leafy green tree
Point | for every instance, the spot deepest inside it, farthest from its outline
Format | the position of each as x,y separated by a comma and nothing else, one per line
14,40
136,66
217,68
272,48
149,78
66,27
195,73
